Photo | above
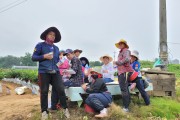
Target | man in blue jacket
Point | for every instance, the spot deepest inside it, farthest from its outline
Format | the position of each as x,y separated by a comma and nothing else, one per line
47,54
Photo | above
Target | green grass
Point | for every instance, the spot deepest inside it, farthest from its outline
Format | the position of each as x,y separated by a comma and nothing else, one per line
146,64
161,107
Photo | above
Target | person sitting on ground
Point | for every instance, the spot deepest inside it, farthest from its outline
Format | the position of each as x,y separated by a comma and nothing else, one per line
99,98
77,52
107,69
76,79
139,82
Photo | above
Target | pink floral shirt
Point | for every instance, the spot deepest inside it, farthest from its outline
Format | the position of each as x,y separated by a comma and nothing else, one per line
123,62
65,65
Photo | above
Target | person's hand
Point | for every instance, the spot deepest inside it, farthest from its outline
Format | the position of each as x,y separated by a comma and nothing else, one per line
84,86
105,71
48,56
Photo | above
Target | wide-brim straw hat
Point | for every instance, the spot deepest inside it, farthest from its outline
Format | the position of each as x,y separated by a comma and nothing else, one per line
122,41
110,58
51,29
135,53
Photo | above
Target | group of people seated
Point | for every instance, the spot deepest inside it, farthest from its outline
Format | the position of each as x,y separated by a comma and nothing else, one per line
76,72
65,68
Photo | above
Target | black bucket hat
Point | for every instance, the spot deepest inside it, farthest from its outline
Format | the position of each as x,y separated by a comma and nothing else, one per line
84,59
51,29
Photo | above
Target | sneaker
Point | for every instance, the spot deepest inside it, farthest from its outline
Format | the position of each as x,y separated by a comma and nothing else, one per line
125,109
103,113
133,86
44,116
66,113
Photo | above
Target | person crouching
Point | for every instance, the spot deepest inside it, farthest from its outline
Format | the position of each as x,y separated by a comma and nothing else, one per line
99,98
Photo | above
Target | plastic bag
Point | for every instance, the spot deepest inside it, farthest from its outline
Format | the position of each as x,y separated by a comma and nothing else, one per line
0,88
71,71
158,62
20,90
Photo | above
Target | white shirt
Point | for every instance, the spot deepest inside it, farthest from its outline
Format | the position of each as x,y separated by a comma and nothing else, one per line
109,67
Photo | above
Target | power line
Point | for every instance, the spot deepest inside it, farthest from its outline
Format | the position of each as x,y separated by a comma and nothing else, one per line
9,4
174,43
12,6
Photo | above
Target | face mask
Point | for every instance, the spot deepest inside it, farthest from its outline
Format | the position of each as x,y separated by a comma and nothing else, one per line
90,78
48,41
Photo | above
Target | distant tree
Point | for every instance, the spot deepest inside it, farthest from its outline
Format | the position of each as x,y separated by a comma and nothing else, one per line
26,60
9,61
95,63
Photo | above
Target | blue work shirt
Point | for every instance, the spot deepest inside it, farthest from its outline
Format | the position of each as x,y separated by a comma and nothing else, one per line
137,66
46,65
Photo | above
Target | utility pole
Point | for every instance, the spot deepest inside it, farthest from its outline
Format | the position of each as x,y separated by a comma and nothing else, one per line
163,33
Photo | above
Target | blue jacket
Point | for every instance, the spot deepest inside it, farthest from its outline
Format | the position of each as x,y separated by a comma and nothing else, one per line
137,66
44,64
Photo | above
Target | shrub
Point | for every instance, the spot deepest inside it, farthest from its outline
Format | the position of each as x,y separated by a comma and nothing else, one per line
22,74
12,74
115,73
146,64
29,75
1,75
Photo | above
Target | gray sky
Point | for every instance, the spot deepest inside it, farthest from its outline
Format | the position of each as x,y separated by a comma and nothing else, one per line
91,25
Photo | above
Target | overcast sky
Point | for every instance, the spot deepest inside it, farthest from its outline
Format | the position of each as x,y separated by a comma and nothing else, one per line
91,25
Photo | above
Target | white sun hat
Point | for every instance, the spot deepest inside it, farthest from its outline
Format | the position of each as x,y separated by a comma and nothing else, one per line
135,53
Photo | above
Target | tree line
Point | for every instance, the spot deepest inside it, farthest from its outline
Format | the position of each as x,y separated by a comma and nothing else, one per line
9,61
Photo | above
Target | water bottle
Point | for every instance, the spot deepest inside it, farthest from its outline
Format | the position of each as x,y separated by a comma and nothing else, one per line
51,50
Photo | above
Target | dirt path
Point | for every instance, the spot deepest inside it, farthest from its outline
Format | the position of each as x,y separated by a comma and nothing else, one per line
17,107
